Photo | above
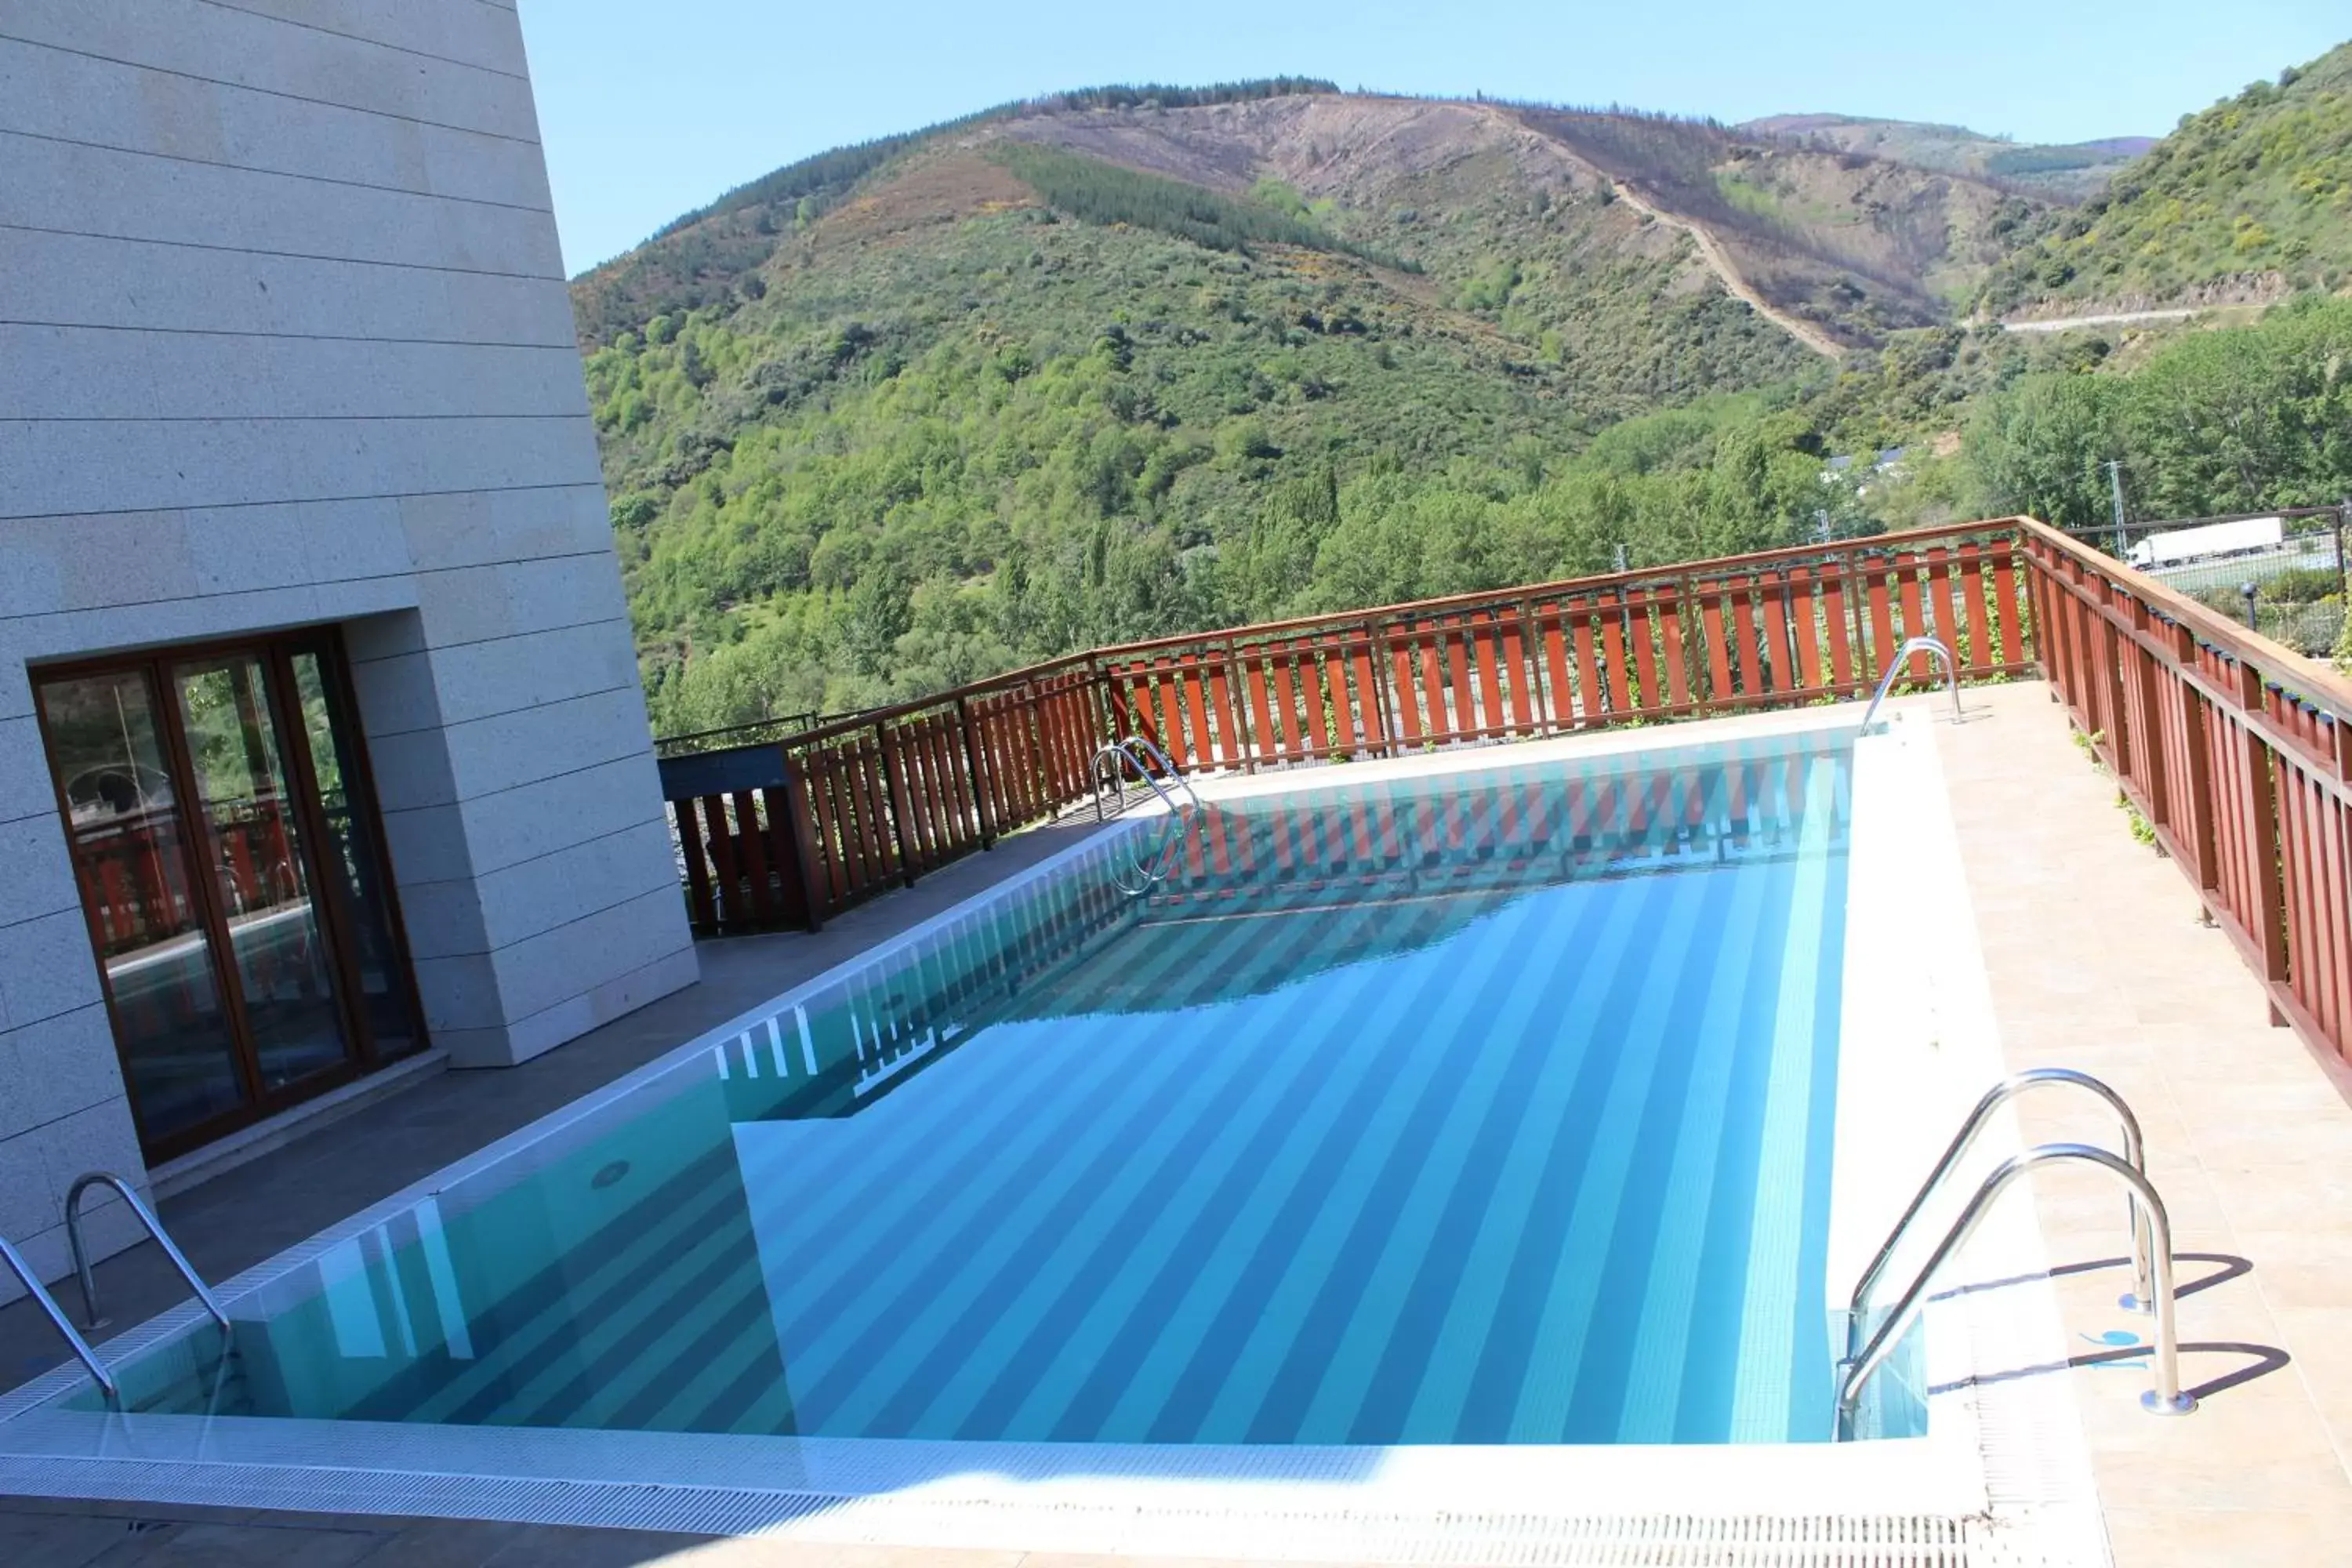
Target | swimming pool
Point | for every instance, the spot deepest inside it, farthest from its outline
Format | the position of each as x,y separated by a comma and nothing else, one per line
1473,1109
1131,1213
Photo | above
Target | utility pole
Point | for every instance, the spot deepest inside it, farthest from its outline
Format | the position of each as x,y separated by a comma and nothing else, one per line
2115,483
2343,522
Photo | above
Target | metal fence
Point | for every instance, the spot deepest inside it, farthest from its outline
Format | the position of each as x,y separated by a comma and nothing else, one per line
2293,593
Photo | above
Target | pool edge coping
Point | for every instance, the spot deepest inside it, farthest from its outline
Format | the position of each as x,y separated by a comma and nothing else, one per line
42,1393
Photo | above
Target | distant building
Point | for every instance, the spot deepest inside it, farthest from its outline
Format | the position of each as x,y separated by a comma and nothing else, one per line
1885,460
321,745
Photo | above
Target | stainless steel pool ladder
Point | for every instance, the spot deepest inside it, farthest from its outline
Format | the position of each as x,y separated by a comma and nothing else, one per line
58,1320
1972,1129
2151,1229
74,1338
1135,754
1894,668
146,1217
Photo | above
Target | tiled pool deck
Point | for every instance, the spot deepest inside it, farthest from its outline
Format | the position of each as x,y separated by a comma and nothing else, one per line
2096,959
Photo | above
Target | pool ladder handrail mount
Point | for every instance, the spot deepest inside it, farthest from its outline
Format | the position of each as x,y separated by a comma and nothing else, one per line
2135,1152
76,1340
155,1228
1895,669
2151,1228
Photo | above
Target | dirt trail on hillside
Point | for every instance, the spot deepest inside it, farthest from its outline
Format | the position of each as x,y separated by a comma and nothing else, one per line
1805,331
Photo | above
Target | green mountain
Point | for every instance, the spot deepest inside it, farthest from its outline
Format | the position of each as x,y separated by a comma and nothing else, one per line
2248,200
1137,361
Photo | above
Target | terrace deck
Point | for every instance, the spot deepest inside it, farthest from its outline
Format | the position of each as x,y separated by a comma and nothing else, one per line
2096,959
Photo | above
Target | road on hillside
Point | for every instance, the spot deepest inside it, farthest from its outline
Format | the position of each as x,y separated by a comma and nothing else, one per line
2113,318
1805,331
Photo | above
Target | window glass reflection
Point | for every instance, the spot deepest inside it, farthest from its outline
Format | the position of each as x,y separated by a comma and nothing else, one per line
132,862
349,855
252,833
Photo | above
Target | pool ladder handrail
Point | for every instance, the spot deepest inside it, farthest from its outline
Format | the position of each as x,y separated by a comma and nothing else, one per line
60,1321
1135,754
2166,1398
1894,668
146,1217
2009,1089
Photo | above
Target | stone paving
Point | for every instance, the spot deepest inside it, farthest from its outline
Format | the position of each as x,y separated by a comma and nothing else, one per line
2096,960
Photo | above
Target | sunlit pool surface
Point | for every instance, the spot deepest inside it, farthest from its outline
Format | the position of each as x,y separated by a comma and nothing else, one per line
1486,1108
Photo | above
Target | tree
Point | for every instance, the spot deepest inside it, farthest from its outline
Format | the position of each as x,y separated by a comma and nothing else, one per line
2043,448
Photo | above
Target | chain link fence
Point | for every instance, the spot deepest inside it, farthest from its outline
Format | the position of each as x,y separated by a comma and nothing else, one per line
2287,581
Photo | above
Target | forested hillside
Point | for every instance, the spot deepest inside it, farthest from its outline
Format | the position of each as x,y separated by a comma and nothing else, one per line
1138,360
2248,199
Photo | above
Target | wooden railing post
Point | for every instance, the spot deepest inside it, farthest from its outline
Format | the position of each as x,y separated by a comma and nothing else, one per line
2111,688
2260,786
1694,643
1530,670
981,816
2156,786
901,809
1381,668
702,914
799,829
1243,740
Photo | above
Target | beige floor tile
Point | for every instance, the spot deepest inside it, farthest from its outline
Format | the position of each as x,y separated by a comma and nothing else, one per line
2181,1537
2320,1342
2301,1268
2096,960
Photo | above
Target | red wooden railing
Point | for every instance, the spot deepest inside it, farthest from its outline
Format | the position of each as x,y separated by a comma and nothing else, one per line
2237,751
135,878
791,832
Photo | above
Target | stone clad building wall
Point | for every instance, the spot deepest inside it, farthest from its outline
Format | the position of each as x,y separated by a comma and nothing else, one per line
285,339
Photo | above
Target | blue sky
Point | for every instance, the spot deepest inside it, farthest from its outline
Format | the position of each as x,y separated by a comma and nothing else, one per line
650,109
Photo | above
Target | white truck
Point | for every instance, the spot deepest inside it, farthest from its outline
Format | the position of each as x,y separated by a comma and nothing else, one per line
2246,536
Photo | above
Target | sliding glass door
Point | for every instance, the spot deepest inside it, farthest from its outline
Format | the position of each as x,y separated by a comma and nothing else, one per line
226,849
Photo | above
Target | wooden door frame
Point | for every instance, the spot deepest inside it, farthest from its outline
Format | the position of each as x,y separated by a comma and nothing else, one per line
274,652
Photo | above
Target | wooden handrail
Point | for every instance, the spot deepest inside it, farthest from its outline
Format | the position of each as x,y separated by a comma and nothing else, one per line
866,719
2236,752
863,801
1721,565
1693,573
2233,750
2288,669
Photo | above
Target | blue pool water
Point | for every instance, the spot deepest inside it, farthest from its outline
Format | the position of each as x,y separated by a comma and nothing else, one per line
1479,1108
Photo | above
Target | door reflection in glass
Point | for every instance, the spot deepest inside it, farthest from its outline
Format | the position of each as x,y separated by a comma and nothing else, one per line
251,832
132,861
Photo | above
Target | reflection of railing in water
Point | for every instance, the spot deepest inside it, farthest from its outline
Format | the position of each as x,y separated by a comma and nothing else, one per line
1523,830
835,1052
1456,852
